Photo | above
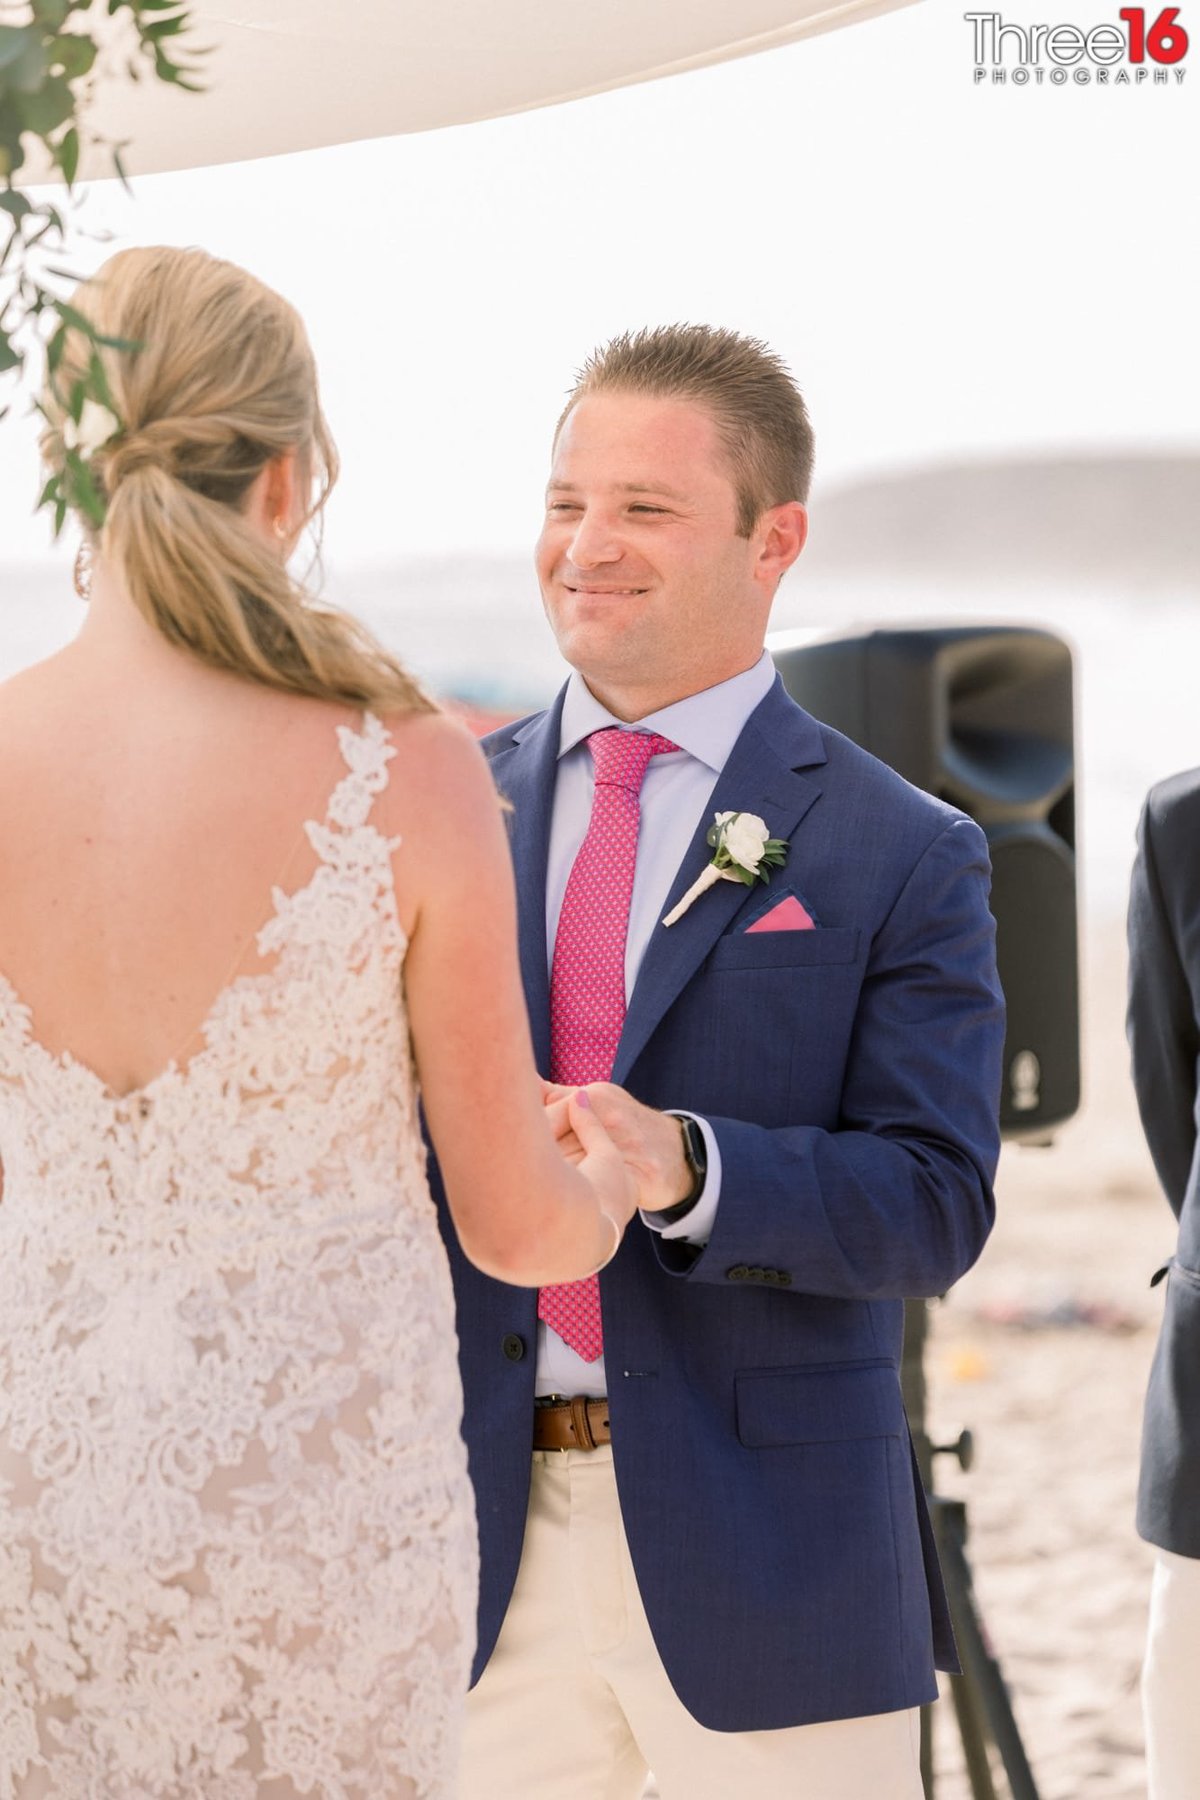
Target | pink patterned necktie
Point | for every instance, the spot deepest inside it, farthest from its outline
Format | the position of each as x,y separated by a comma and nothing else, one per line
587,979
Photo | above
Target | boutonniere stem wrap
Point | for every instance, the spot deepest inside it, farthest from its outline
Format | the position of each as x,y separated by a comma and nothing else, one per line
743,850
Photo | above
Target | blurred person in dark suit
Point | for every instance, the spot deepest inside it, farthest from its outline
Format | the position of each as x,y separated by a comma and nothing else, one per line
1164,1036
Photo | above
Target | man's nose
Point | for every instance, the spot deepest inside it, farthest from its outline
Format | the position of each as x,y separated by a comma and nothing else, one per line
594,541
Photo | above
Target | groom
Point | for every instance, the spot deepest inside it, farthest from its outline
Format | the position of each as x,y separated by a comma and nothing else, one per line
717,1562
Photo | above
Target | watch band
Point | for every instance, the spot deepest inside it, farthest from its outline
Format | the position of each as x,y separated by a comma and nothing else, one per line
695,1154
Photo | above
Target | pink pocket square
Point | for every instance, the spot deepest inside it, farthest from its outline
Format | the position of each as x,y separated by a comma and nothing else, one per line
789,915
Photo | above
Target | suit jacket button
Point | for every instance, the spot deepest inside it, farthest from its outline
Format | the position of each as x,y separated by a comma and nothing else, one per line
783,1278
512,1346
755,1275
739,1272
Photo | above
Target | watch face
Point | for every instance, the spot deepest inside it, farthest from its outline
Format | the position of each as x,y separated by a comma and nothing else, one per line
695,1148
695,1154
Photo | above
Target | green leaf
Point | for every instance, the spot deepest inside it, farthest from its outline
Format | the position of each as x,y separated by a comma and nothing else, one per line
55,348
164,28
99,382
15,204
119,167
60,514
71,315
84,491
15,41
75,400
52,15
68,155
9,358
73,54
27,72
48,493
44,111
174,73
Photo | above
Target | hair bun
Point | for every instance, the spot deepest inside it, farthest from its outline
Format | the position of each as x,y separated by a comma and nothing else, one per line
128,453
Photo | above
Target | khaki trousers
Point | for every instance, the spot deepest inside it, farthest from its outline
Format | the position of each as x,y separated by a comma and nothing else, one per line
575,1704
1171,1679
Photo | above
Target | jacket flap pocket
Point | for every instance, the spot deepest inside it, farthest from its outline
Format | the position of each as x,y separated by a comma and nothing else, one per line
822,1405
784,949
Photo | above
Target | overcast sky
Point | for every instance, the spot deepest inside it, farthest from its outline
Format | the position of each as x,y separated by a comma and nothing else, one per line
950,269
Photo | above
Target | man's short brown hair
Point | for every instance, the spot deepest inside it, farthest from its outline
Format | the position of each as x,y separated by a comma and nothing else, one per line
759,412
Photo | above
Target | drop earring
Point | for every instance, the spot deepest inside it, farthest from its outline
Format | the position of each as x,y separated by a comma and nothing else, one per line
82,574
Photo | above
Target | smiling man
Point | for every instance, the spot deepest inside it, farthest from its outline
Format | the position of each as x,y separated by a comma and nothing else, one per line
717,1562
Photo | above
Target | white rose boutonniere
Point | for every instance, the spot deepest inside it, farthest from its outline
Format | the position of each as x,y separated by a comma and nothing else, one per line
744,851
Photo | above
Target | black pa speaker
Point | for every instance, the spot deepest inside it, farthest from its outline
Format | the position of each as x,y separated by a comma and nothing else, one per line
983,717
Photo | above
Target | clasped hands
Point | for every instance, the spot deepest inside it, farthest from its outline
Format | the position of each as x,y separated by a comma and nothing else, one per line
650,1143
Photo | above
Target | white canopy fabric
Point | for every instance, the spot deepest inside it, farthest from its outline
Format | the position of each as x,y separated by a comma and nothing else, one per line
296,74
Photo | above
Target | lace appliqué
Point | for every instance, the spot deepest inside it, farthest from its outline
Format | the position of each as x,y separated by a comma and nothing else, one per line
237,1544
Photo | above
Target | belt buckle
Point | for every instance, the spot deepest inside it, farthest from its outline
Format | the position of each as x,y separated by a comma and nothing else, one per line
554,1400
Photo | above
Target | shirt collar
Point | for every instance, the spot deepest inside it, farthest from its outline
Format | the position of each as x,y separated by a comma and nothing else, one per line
707,725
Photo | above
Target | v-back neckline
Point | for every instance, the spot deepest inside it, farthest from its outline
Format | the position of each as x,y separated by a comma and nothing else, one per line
66,1062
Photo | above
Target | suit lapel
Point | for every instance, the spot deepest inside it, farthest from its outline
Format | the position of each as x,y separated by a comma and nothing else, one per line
760,777
525,775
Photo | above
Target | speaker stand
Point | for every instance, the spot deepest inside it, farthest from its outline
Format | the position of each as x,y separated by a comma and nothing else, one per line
982,1707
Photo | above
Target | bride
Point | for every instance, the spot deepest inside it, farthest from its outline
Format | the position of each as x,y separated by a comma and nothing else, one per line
254,888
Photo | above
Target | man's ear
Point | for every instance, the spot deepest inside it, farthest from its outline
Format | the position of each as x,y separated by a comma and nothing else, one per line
781,533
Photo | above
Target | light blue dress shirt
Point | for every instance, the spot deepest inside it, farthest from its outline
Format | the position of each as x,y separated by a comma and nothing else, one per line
675,793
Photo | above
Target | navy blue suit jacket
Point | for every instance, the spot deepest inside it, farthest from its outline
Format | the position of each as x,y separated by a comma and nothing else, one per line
851,1074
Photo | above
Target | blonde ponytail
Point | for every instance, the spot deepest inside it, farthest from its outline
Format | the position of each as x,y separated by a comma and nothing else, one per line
218,382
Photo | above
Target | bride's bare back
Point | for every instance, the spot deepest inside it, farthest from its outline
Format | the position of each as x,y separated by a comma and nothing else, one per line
236,1540
146,814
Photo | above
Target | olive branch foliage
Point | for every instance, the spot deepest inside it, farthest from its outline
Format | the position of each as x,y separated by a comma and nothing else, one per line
49,64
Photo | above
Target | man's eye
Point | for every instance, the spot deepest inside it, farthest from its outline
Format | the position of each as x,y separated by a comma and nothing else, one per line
560,506
641,507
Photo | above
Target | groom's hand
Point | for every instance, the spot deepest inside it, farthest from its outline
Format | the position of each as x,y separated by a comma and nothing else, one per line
650,1142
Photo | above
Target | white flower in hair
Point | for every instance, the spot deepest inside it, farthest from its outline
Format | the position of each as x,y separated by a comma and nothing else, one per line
96,426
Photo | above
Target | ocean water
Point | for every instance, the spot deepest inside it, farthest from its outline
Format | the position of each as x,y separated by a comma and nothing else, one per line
474,629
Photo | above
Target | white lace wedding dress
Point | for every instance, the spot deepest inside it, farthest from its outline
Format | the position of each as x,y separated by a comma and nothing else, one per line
237,1540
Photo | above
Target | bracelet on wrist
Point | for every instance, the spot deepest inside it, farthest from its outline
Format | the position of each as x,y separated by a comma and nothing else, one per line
617,1235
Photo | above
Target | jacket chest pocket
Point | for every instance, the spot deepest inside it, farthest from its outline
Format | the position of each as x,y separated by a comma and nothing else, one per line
815,949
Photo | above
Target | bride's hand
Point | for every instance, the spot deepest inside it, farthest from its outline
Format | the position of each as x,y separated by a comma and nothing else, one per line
583,1141
559,1121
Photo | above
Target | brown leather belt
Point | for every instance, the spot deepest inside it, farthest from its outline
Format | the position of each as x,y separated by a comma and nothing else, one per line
578,1424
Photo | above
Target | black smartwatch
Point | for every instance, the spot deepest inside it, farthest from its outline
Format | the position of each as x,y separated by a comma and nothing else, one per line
695,1154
